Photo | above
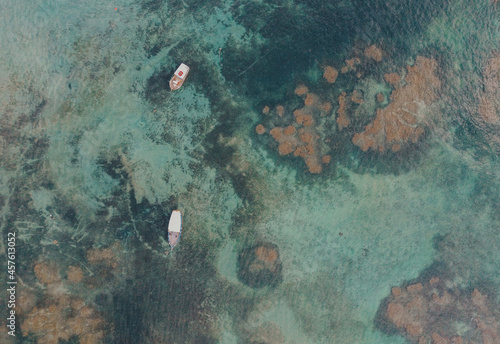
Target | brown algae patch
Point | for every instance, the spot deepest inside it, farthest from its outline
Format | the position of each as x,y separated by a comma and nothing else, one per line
307,131
260,129
404,119
342,119
303,137
301,90
374,53
437,312
489,98
47,273
60,316
330,74
392,79
75,274
260,266
104,256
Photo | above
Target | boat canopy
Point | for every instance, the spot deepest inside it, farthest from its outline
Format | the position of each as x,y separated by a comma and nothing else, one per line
182,71
175,223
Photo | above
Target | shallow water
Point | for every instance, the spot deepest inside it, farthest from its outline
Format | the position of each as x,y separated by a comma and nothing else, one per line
96,152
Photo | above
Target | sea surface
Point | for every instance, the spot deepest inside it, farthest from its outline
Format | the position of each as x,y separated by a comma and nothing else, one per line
324,200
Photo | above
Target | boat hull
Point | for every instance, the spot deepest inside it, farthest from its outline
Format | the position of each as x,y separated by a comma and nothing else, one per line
173,238
175,83
179,77
174,228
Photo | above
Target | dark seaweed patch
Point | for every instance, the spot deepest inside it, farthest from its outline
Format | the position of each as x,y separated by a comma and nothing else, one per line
36,149
70,216
71,340
114,168
157,86
128,317
173,291
38,110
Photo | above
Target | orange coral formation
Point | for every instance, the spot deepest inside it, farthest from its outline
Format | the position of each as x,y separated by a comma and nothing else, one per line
302,142
301,90
268,254
392,79
489,99
47,273
75,274
25,302
403,119
280,110
290,130
265,110
393,127
64,317
305,120
260,265
287,143
414,287
357,97
350,65
425,312
396,291
260,129
353,62
396,147
303,117
374,52
326,107
342,119
285,148
311,99
330,74
265,260
103,256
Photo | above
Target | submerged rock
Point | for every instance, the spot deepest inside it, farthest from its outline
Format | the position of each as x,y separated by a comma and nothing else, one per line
437,311
260,266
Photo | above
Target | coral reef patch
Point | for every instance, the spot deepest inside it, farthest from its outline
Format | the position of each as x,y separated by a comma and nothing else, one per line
60,316
406,117
260,266
312,131
489,99
438,311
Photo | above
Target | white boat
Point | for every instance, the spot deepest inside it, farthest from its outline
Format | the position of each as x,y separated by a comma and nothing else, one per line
179,77
174,228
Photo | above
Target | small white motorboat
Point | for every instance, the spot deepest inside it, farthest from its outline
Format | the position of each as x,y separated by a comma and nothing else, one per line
174,228
179,77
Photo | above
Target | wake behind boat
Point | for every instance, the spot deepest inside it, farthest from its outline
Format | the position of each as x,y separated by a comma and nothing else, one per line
174,228
179,77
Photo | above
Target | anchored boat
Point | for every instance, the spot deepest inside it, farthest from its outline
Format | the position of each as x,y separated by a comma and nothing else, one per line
179,77
174,228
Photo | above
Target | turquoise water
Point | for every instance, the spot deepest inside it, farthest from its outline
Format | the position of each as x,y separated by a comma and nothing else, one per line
96,152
